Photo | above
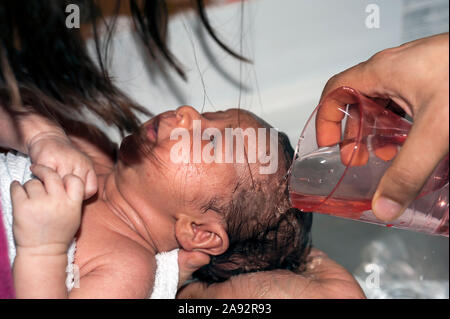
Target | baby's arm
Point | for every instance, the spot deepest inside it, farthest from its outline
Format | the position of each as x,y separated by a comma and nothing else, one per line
47,144
47,215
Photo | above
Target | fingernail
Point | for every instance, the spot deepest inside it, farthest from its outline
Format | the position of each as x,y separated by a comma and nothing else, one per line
386,209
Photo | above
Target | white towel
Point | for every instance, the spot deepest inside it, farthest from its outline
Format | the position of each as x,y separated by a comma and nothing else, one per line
13,167
17,167
166,276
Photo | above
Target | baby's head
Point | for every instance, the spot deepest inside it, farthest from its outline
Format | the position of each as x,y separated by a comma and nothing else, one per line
227,199
264,232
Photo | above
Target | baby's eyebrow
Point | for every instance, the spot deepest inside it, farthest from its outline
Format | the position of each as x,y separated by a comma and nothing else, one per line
238,183
215,203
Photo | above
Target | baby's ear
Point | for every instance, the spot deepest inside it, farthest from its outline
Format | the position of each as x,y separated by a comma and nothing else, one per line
206,235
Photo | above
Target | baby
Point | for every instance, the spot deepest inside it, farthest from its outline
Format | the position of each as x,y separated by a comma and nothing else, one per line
235,218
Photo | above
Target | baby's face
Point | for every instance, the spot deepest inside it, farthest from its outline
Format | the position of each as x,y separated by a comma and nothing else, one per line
188,173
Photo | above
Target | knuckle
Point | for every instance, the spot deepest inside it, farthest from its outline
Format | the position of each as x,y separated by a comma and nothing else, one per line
49,160
33,182
332,82
74,179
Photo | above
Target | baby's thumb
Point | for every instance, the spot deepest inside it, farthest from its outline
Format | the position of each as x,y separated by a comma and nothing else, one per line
189,262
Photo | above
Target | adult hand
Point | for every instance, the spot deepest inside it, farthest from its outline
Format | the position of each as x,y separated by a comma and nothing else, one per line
323,278
188,263
54,150
47,144
415,77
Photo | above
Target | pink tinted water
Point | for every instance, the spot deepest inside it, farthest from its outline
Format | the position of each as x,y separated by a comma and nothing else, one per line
321,183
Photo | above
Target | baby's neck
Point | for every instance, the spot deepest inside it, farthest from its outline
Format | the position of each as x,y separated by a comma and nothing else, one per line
140,224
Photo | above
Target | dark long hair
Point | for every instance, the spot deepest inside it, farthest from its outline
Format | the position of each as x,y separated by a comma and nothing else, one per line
45,66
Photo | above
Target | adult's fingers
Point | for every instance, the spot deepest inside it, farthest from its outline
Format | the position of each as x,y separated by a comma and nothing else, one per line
331,112
74,187
386,152
89,178
351,153
358,77
425,147
52,182
389,133
328,122
195,290
91,184
189,262
64,170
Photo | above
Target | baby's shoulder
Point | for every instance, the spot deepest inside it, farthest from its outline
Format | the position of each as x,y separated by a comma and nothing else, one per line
127,253
121,267
114,251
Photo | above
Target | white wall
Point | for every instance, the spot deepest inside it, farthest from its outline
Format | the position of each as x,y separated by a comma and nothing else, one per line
296,46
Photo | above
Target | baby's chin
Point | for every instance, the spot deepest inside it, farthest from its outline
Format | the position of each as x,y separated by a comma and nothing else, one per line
130,150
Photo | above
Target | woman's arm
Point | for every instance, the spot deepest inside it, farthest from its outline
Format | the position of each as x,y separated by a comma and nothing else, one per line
323,278
19,131
47,144
91,141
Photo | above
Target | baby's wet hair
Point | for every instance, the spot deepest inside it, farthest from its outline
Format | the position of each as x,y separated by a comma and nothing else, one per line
265,232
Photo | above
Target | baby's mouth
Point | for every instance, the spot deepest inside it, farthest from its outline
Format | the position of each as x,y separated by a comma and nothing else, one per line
152,130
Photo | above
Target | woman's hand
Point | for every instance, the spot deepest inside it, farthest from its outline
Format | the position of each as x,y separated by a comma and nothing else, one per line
415,77
323,279
47,144
47,212
188,263
55,151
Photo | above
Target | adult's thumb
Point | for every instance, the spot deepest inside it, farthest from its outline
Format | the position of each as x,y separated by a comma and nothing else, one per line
189,262
425,147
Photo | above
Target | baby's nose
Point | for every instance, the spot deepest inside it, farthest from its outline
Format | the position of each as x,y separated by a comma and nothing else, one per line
185,115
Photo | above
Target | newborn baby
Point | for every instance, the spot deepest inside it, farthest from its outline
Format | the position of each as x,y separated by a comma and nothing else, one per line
147,204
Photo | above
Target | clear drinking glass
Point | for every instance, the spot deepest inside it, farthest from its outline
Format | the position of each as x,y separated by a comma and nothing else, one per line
337,171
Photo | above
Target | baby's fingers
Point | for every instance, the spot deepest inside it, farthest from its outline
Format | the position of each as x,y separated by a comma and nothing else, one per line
35,189
74,187
18,193
52,182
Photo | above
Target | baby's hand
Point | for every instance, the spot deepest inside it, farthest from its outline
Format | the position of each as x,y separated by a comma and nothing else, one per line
57,152
47,212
